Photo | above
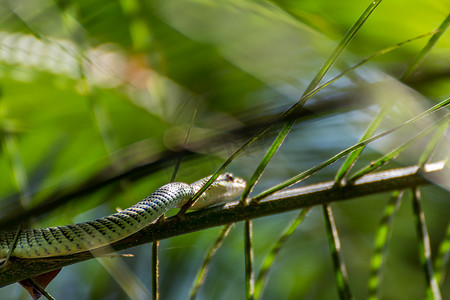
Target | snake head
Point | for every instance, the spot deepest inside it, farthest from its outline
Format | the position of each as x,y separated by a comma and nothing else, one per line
224,189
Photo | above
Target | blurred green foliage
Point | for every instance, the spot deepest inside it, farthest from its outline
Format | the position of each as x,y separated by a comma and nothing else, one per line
103,86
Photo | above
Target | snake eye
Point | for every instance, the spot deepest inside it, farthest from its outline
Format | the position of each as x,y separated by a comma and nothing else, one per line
229,177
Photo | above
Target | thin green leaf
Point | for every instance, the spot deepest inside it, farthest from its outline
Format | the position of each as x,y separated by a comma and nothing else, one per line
155,270
201,274
351,159
311,89
341,154
394,153
12,246
341,46
381,242
424,246
249,257
270,258
303,99
433,144
340,270
269,154
419,58
443,257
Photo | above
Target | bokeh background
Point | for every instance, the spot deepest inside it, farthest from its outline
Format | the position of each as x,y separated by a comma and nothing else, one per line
92,89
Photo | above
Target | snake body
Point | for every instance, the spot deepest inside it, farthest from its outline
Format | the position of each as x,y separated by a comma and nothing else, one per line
75,238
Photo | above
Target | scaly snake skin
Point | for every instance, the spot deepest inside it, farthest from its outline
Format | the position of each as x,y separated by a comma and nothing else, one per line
75,238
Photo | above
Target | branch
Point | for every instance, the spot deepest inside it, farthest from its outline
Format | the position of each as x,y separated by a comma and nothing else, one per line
280,202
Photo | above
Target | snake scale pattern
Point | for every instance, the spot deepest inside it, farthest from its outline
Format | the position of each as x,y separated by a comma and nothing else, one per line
75,238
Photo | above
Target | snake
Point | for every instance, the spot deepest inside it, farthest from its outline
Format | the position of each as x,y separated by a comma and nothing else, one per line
88,236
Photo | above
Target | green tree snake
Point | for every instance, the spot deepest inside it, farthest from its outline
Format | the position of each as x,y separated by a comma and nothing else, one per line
80,237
